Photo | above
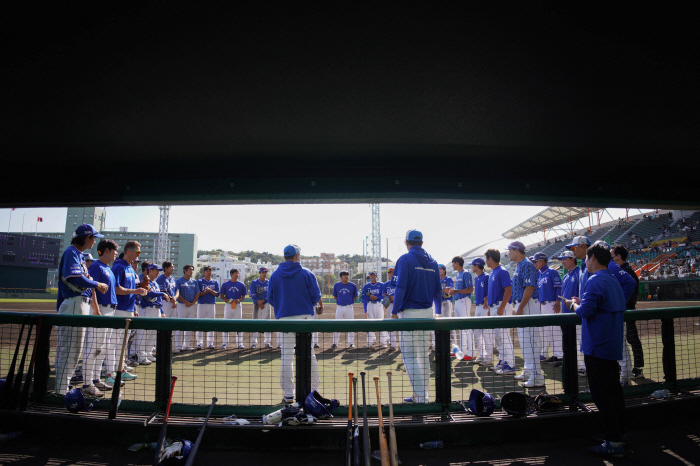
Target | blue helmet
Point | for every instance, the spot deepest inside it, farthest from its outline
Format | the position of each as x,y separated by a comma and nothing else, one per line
480,403
318,406
74,401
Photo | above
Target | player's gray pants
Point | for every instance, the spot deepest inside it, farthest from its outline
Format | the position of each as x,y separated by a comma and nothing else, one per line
287,362
233,313
551,335
344,312
466,336
171,311
446,308
207,311
530,340
69,343
182,337
626,361
502,336
375,310
414,351
261,313
581,362
98,347
483,337
145,339
389,336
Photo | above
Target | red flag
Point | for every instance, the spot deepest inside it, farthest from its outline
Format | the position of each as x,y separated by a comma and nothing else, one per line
39,219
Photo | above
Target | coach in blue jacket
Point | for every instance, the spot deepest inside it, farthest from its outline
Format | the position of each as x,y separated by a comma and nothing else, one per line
602,307
293,292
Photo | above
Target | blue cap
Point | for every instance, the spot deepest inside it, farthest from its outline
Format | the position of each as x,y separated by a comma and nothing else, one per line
442,266
87,230
263,269
372,273
577,241
479,261
516,245
531,259
567,255
414,235
88,257
602,243
153,267
291,250
540,256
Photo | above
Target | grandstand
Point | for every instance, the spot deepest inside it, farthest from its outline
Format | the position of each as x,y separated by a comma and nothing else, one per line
644,228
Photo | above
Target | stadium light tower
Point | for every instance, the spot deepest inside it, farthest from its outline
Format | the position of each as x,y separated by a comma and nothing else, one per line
375,246
163,243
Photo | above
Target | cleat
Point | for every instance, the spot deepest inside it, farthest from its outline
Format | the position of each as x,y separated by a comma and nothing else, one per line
384,345
127,376
91,390
542,358
144,362
600,438
288,400
279,346
524,375
175,350
187,348
224,346
128,368
76,379
533,382
551,360
133,362
316,345
606,449
267,345
408,400
486,363
151,358
210,347
498,366
637,372
199,347
351,345
253,346
582,372
102,385
505,370
241,347
467,358
334,346
111,381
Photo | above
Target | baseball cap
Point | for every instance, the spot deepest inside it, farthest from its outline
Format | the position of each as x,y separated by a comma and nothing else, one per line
479,261
88,257
154,267
87,230
391,269
566,254
291,250
516,245
442,266
531,258
414,235
372,273
263,269
578,240
540,256
602,243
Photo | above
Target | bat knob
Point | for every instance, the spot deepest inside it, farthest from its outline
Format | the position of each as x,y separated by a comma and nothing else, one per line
215,399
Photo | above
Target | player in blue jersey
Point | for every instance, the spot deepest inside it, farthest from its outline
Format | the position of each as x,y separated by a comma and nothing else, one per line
418,287
569,290
549,290
74,298
389,290
166,283
188,293
499,300
233,292
206,305
619,256
293,292
525,298
462,292
602,307
151,306
372,294
483,338
579,245
446,305
261,308
345,294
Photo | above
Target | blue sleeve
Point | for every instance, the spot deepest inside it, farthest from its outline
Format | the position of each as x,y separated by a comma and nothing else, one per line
627,283
401,283
244,290
437,294
354,295
253,293
364,296
556,279
467,277
504,279
270,293
119,276
314,290
71,265
589,304
82,282
155,294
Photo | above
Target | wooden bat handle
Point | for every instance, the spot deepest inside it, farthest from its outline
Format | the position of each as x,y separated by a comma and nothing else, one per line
350,375
383,446
393,449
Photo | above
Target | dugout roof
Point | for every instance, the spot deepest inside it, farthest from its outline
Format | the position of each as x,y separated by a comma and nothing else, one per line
533,103
548,218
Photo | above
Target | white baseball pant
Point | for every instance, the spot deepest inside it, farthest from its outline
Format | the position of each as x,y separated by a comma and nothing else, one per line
551,335
145,339
502,336
206,311
287,361
626,361
69,344
97,348
483,337
184,312
344,312
446,309
233,313
375,310
581,362
116,342
414,351
391,335
261,313
466,336
314,335
530,340
171,311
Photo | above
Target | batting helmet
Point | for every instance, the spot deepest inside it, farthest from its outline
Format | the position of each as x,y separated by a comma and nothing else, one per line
318,406
516,404
480,403
74,401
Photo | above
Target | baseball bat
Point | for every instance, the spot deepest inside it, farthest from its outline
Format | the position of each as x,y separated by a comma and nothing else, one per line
383,447
393,450
114,402
24,401
356,429
366,445
5,394
348,436
13,398
164,429
195,447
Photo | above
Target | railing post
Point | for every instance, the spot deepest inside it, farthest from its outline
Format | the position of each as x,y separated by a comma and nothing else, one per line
443,368
42,364
668,357
302,366
164,358
569,367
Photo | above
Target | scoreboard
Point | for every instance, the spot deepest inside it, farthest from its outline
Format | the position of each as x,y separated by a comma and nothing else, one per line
29,251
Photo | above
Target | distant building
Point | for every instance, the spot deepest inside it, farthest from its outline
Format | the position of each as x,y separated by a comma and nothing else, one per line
222,264
321,265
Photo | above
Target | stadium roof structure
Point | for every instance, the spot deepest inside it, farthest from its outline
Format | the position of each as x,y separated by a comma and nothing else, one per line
548,219
133,104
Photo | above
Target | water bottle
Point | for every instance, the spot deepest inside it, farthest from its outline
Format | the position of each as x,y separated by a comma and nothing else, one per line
434,445
658,394
276,417
457,352
11,436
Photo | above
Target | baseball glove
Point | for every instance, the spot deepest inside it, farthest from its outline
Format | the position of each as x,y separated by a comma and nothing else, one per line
299,419
548,403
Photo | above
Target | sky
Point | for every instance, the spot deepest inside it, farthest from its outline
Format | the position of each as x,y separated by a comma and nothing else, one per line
448,230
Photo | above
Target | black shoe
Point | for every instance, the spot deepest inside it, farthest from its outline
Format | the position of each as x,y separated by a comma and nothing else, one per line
334,346
551,360
316,346
637,372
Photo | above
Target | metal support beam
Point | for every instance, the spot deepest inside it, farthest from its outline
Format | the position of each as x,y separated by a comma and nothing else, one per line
162,252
